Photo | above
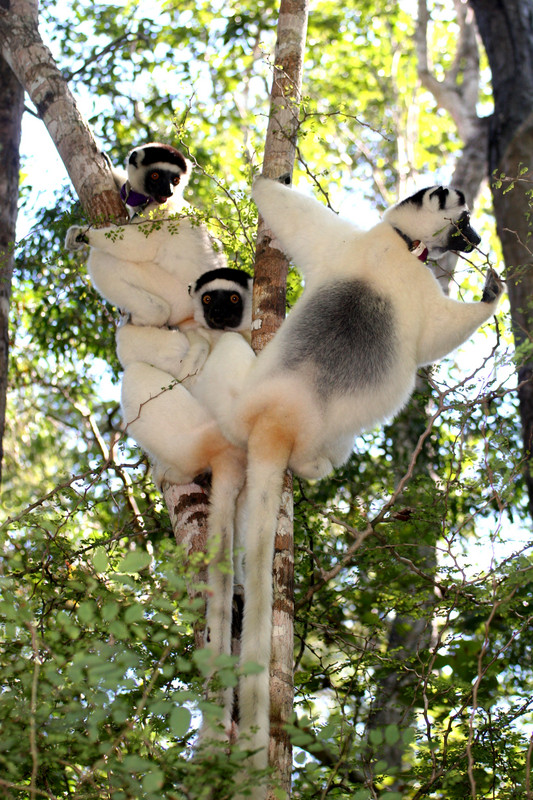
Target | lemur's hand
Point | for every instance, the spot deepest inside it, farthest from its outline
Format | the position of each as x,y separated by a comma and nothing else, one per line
493,287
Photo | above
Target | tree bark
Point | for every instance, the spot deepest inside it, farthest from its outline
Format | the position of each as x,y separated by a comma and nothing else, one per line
11,110
271,267
188,506
35,68
507,32
514,225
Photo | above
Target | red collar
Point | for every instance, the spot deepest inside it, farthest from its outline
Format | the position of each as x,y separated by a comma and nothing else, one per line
416,247
419,250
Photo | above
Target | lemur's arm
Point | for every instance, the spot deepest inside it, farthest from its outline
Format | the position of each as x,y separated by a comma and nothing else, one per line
452,322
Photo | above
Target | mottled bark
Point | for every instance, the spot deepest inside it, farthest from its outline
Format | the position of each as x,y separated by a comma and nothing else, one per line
187,507
271,267
513,220
35,68
506,28
282,655
280,149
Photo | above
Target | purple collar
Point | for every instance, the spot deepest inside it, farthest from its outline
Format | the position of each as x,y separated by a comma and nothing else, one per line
132,198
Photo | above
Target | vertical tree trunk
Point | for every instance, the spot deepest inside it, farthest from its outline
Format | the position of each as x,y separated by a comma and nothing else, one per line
11,110
514,224
507,32
269,310
25,52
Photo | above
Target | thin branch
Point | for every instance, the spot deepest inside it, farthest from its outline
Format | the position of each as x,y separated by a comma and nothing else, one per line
68,75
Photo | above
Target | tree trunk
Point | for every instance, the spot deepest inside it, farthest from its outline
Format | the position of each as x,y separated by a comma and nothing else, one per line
513,210
507,32
270,279
11,110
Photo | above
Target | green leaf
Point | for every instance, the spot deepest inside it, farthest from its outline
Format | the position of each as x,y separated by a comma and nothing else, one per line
134,613
134,561
180,721
87,612
153,780
376,736
408,735
251,668
227,677
135,763
100,559
392,734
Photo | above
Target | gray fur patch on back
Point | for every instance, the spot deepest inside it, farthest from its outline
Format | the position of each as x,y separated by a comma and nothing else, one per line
345,335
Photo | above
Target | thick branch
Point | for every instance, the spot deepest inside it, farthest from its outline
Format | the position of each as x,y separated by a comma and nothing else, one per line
458,91
35,68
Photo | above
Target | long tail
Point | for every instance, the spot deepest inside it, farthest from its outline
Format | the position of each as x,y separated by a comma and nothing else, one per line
228,479
268,454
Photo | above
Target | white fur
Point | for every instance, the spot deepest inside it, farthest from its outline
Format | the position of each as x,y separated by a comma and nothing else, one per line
287,421
158,409
178,427
180,353
145,268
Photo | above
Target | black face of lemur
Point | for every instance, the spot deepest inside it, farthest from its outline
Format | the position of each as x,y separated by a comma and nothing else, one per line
463,238
222,308
160,183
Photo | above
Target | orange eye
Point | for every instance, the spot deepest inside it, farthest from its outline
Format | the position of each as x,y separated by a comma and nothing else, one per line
155,176
206,299
175,180
235,298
